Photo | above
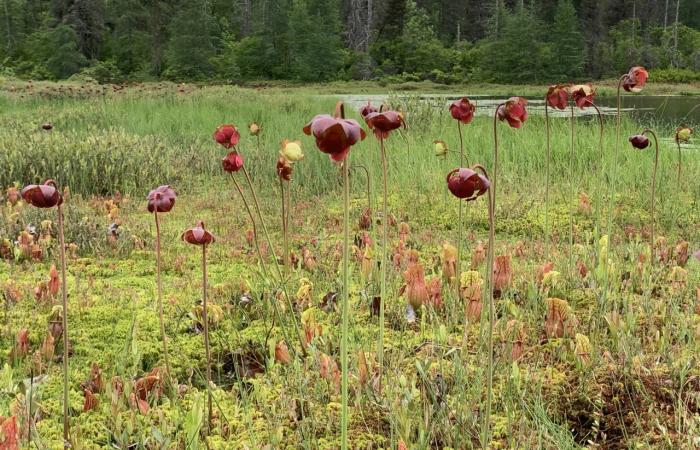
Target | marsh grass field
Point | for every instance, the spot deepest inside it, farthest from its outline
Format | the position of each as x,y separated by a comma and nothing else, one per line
623,374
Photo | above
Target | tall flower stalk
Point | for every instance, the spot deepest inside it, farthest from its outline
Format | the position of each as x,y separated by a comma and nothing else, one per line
382,123
200,236
682,135
47,195
228,136
462,111
514,112
467,184
632,81
557,97
161,200
335,136
290,152
640,141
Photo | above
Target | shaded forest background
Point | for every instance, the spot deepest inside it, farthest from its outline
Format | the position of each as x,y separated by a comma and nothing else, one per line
446,41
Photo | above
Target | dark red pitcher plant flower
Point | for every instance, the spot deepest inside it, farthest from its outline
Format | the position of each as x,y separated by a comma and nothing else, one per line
227,135
335,136
47,195
199,235
635,79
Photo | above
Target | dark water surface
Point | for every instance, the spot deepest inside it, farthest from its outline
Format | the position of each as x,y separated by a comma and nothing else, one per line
654,110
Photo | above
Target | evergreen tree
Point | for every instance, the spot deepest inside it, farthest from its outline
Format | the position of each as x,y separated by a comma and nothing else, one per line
567,43
190,46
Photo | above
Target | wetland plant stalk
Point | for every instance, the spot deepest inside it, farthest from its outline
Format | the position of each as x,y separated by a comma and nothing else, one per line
345,309
486,422
64,302
205,319
256,203
613,187
460,223
260,256
571,190
385,240
678,144
653,190
159,289
285,252
548,157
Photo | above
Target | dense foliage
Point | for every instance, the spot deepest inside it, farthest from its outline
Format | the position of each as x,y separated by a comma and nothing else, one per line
320,40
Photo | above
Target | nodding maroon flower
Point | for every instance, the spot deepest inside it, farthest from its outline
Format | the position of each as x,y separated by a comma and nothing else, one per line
635,79
48,126
233,162
683,133
583,94
334,135
639,141
227,135
382,123
513,111
284,169
198,235
558,96
463,110
42,195
161,199
368,109
467,184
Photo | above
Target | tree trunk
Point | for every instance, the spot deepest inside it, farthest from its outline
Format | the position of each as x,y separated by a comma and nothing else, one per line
8,26
245,26
675,36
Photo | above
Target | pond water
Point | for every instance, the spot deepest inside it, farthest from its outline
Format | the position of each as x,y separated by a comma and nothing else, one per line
654,110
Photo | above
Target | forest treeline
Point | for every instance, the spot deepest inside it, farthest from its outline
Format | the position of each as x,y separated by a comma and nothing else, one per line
446,41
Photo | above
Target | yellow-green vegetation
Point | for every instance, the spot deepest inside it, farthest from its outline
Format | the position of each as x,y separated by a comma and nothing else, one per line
600,354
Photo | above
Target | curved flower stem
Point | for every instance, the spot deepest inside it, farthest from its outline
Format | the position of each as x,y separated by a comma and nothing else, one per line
546,179
345,309
601,129
260,256
64,302
571,190
206,334
460,223
613,189
256,203
653,191
385,240
274,258
253,222
678,144
159,288
285,253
